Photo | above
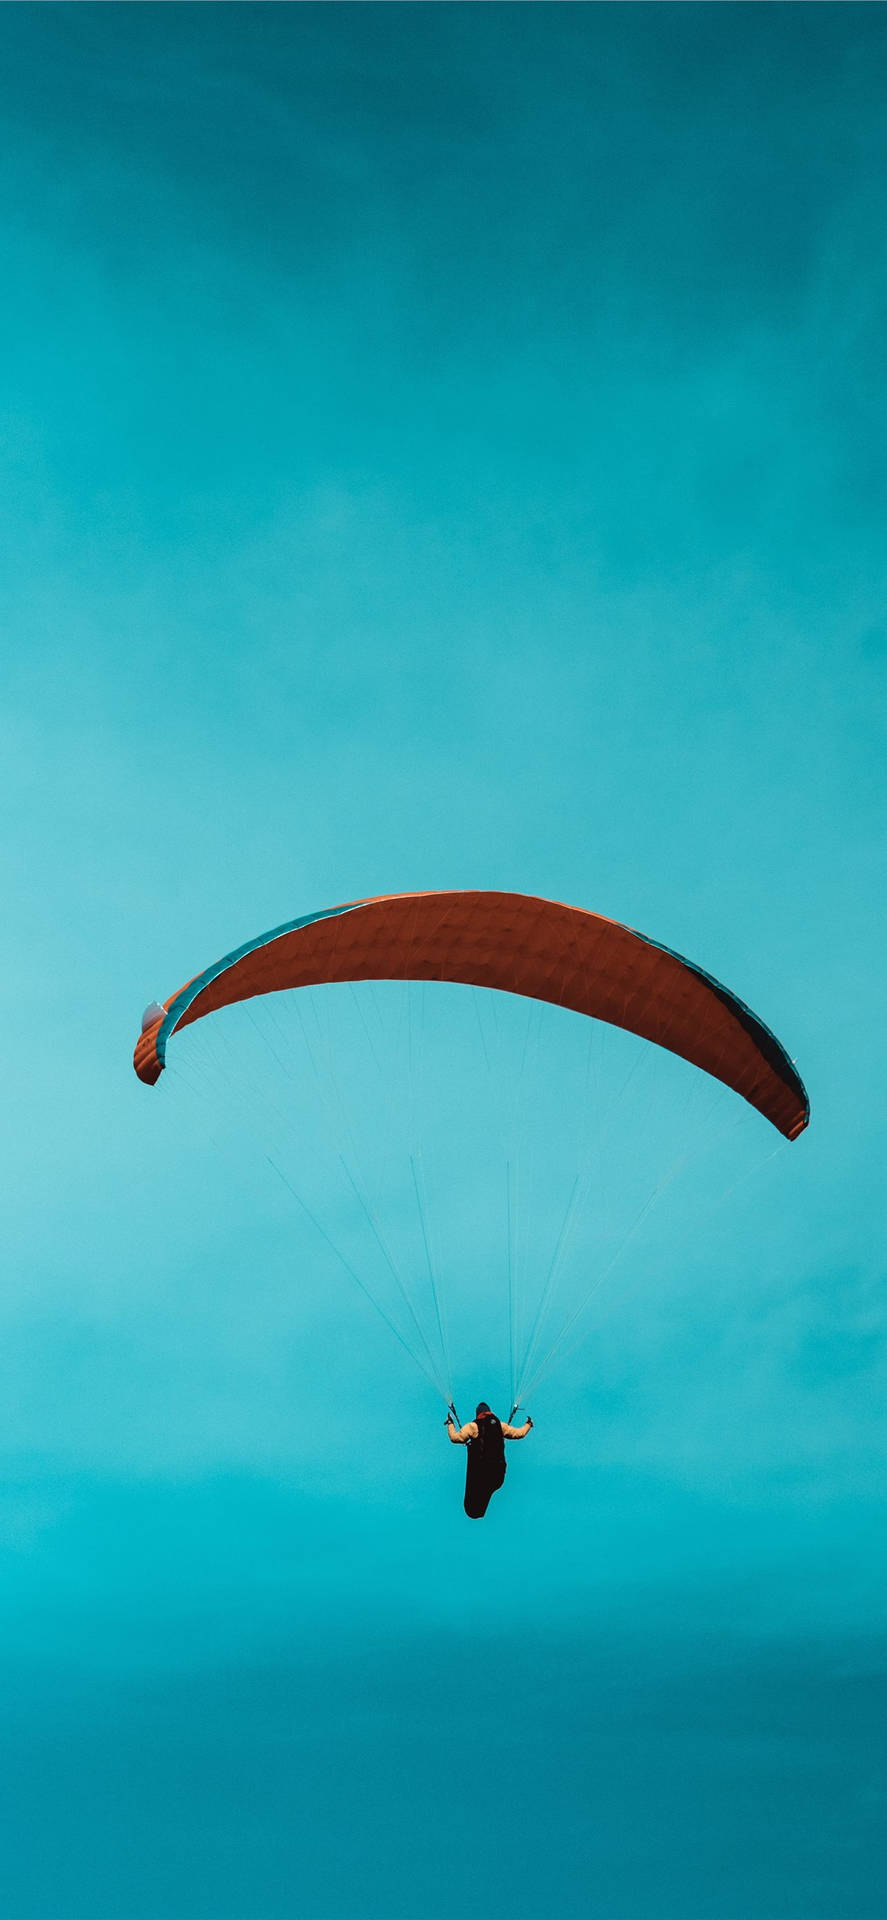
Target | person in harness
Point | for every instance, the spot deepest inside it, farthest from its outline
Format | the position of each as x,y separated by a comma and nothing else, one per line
485,1438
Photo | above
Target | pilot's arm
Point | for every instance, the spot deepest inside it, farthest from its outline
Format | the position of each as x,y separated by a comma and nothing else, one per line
460,1436
516,1433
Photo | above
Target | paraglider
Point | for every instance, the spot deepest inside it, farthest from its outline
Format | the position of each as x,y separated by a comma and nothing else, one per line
562,959
485,1438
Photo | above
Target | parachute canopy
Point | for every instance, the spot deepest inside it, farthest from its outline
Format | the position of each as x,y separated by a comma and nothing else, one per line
518,944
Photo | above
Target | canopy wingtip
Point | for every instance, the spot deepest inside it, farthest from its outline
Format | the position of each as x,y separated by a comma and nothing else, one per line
147,1060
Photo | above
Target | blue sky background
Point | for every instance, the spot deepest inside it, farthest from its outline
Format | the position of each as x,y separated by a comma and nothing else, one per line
441,447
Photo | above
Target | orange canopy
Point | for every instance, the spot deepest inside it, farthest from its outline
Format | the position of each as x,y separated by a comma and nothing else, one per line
518,944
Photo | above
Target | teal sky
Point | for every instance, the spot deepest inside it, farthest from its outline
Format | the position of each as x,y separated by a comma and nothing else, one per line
442,447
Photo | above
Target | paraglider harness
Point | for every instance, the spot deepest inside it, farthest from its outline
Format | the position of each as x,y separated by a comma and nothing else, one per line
485,1465
490,1444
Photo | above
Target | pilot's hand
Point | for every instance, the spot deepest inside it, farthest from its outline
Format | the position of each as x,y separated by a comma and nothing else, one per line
529,1421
